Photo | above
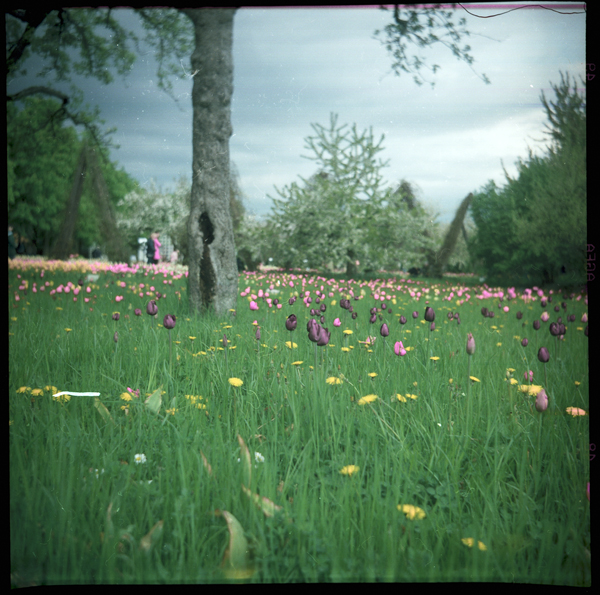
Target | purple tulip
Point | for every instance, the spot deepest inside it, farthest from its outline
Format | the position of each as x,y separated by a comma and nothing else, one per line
429,314
137,312
385,331
484,312
470,344
541,401
291,323
322,307
402,319
291,301
373,318
116,316
450,316
415,314
554,329
324,335
536,325
169,321
313,330
519,315
151,308
524,342
322,320
543,355
354,315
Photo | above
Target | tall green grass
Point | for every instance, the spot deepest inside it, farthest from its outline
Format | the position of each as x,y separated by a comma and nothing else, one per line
488,468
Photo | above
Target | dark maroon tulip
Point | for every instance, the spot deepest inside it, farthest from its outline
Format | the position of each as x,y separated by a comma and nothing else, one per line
350,309
257,335
456,315
373,318
562,329
559,320
169,321
543,303
383,306
536,325
313,328
275,302
554,329
524,342
458,320
402,319
344,303
450,316
373,310
291,301
415,314
137,312
322,307
564,305
317,301
550,299
490,314
116,316
291,323
324,335
322,320
152,308
519,315
309,300
557,308
543,355
484,312
385,331
313,312
354,315
429,314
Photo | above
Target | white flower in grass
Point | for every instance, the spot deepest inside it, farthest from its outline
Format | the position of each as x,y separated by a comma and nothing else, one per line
259,458
141,458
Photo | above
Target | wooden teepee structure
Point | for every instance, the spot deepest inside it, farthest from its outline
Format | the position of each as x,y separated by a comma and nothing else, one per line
88,165
440,259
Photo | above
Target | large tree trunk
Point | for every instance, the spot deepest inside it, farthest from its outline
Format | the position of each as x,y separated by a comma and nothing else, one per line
212,263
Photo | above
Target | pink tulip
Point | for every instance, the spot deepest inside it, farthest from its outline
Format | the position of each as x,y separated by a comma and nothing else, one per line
545,317
253,305
337,322
399,348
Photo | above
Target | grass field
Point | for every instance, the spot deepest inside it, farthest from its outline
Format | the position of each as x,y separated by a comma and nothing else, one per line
274,459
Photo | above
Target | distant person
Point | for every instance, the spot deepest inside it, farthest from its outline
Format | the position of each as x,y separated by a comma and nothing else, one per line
157,246
174,257
150,249
12,247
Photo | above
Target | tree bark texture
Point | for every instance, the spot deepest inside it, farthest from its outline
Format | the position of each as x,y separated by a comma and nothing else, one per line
213,279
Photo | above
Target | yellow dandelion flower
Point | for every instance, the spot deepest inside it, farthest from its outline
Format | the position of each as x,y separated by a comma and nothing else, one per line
577,383
474,379
514,381
372,374
349,469
347,332
235,382
412,512
450,380
510,370
498,344
23,389
367,399
68,330
346,349
411,396
481,546
401,398
296,363
435,358
468,541
191,338
530,389
171,411
126,397
333,380
291,345
574,411
51,389
415,384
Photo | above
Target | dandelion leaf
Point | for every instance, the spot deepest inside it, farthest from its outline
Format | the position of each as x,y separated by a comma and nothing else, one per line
154,401
268,507
103,410
236,561
152,537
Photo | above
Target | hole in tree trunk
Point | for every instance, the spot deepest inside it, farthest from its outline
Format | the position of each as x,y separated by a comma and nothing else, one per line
208,278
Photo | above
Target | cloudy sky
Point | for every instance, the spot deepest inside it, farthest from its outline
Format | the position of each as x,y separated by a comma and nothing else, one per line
296,66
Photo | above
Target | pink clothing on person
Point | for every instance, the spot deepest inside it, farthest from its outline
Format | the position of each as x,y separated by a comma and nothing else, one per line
157,245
